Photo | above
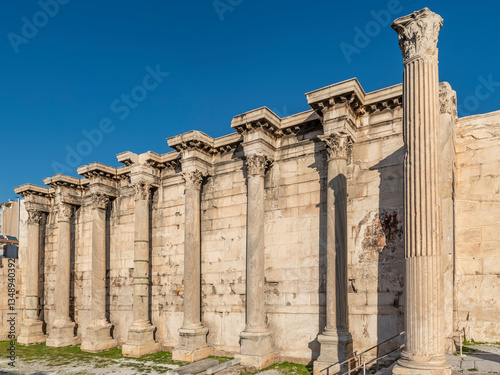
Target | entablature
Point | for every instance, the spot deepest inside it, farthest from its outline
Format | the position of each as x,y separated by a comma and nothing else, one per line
67,189
36,197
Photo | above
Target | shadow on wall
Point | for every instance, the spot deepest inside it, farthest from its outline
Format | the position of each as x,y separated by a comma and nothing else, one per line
41,267
72,254
107,252
384,239
320,164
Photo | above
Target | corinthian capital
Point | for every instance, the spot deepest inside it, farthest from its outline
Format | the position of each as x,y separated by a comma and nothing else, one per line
34,216
193,179
64,211
418,34
100,201
141,191
337,146
257,165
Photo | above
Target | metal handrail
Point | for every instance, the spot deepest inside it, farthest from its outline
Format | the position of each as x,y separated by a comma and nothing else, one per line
373,359
348,361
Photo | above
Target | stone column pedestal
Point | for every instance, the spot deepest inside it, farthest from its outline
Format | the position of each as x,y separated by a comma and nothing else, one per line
424,342
256,340
31,327
336,340
63,330
97,335
141,334
193,336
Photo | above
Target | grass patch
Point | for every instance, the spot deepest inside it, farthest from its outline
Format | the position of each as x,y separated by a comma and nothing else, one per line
465,342
289,368
73,356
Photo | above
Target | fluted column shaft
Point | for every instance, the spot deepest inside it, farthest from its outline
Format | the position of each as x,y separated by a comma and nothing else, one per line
422,214
424,343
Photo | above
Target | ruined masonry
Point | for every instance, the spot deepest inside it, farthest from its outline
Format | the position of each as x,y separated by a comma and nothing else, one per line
305,238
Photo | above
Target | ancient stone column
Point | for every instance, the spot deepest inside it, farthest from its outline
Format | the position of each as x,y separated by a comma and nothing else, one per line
62,332
31,327
336,340
424,343
97,336
193,336
140,335
256,343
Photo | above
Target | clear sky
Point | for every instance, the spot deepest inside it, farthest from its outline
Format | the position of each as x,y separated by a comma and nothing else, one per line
81,81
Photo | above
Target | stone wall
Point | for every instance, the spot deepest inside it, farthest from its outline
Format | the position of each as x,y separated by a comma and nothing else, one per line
477,197
295,232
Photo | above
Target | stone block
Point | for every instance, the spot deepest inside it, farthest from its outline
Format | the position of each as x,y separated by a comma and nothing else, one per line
185,354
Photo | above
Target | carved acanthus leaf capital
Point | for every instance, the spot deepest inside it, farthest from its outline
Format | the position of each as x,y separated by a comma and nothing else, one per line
418,34
337,146
100,201
34,216
193,179
142,191
64,211
258,164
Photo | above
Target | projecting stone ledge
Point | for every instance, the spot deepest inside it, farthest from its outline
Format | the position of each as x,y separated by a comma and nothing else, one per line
186,354
194,368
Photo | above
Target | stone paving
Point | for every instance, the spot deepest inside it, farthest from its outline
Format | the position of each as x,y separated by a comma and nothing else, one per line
484,360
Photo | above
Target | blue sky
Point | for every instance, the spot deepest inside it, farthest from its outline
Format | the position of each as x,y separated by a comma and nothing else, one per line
125,75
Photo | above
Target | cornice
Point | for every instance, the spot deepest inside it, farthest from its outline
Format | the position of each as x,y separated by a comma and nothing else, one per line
98,170
62,180
261,118
35,190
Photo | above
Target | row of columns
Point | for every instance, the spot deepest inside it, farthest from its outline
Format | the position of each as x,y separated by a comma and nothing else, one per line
424,346
256,341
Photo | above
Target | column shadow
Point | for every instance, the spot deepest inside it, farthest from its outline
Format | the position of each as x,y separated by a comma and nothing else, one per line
72,254
107,252
153,199
386,235
320,164
41,267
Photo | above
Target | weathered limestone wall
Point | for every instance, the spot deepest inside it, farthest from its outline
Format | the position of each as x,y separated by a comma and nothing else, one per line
168,260
477,284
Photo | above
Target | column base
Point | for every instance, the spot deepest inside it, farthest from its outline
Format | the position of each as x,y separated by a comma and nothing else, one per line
422,366
62,334
98,339
336,346
256,343
31,332
257,362
193,345
140,341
